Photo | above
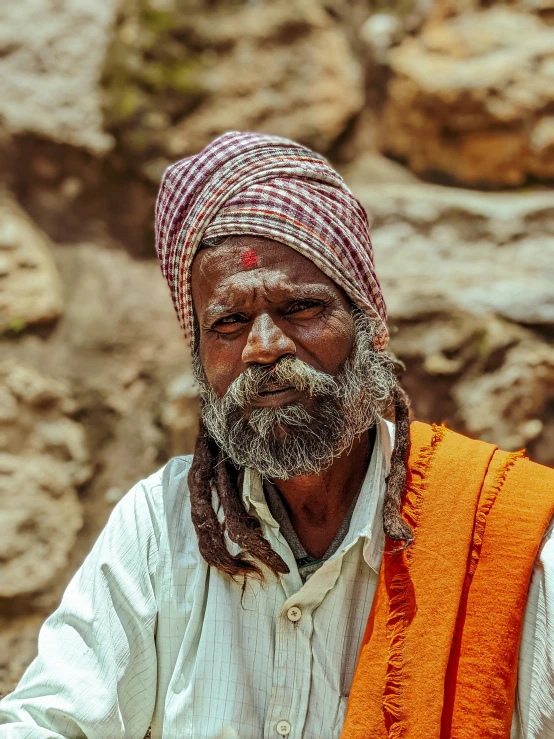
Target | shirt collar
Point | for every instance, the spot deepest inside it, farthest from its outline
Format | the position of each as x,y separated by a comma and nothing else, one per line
366,519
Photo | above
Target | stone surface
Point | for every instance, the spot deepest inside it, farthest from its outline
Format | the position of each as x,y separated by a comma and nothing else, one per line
174,80
18,647
371,168
447,8
30,288
43,459
389,23
307,92
438,248
471,98
462,274
180,414
507,406
118,346
51,57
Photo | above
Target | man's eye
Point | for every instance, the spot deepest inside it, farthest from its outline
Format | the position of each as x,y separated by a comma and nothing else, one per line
229,321
303,305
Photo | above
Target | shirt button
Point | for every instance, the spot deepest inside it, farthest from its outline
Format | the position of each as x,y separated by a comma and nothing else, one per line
294,614
283,728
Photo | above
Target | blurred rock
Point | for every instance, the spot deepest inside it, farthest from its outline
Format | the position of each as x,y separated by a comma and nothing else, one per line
380,31
483,376
118,347
447,8
43,458
471,98
51,57
384,29
283,67
180,414
371,168
459,271
507,406
84,408
290,71
442,248
18,647
30,288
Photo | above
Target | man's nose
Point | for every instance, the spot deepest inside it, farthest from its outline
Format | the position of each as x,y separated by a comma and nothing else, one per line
266,342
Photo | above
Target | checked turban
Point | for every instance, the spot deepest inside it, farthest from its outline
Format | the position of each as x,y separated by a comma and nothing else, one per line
253,184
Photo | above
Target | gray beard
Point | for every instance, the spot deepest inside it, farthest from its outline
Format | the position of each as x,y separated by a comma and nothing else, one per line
285,442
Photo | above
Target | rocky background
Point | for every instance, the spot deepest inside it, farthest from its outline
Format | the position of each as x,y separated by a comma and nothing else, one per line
440,114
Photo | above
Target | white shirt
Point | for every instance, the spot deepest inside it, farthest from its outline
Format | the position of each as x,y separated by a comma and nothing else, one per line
147,632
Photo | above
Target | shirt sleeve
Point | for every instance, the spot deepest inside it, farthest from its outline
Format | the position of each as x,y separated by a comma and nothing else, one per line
534,714
95,673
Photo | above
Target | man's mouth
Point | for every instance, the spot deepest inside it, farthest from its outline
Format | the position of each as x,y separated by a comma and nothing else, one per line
276,396
275,389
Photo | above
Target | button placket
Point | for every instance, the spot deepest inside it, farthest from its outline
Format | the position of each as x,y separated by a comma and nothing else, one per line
292,673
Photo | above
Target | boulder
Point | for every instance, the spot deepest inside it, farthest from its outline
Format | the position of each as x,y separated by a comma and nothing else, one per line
51,58
508,406
18,647
289,70
175,79
471,98
30,288
43,460
118,347
437,248
467,279
80,423
447,8
180,414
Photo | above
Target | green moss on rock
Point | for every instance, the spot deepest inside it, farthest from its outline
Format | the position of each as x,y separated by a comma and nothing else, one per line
151,76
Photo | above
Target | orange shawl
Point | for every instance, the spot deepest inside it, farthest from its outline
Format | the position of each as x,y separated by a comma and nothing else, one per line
439,655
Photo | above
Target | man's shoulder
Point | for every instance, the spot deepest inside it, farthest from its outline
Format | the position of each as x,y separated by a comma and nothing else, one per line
166,491
175,470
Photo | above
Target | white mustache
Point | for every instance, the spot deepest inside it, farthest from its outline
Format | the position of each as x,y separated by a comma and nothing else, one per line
288,371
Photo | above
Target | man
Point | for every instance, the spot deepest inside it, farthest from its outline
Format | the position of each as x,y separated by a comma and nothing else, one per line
301,564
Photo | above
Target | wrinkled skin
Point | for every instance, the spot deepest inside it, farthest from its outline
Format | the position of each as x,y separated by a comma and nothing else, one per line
256,301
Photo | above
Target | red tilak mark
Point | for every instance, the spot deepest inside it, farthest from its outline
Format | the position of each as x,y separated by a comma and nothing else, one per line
249,258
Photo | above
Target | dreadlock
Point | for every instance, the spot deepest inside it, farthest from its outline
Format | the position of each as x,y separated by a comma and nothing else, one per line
210,470
393,524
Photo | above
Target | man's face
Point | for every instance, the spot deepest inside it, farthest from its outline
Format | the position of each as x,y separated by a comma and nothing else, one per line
257,301
288,372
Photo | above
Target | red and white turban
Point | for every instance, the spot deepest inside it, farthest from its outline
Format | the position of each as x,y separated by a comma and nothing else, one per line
253,184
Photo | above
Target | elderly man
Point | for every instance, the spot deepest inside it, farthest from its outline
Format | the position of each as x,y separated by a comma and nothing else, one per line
314,570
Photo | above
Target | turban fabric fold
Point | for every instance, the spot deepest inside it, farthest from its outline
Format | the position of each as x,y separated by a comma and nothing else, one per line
254,184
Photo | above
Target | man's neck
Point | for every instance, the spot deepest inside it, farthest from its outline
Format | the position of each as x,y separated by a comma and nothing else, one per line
317,504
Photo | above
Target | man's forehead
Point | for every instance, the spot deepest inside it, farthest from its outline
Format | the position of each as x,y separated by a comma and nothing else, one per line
238,255
240,269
